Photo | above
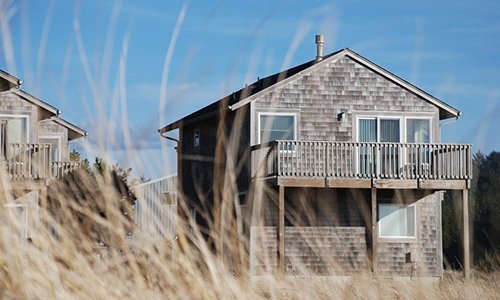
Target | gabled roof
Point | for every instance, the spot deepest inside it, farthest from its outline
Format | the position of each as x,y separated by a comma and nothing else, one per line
267,84
34,100
8,81
74,132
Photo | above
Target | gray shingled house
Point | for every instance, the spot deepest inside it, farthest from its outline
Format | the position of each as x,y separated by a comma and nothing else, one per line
335,166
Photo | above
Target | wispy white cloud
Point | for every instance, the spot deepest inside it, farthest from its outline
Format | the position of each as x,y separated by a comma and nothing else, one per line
182,87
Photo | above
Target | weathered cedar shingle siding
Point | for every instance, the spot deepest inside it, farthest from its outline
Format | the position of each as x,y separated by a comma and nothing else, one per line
426,246
340,86
199,164
341,228
317,250
12,104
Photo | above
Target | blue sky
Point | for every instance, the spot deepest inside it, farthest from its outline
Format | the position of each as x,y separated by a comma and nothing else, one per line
103,62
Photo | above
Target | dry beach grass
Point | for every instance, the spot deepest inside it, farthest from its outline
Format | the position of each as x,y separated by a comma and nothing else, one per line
66,262
76,251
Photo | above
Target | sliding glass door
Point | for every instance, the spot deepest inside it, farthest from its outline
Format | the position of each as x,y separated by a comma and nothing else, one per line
388,158
376,159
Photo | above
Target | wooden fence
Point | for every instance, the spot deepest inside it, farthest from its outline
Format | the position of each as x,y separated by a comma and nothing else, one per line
156,210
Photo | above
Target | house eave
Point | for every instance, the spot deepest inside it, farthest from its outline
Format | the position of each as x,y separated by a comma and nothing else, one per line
209,111
12,82
445,110
44,105
74,132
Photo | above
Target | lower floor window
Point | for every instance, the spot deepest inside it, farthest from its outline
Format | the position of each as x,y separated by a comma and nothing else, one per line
396,220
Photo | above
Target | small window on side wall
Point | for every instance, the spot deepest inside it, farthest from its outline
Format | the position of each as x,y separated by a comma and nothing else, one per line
196,138
396,221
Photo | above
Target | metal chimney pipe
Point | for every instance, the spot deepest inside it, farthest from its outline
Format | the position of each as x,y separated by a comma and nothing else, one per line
319,47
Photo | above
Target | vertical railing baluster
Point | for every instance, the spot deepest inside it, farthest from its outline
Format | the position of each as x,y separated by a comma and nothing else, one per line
418,164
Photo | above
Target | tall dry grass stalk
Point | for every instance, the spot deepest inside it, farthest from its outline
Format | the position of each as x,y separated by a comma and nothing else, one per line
82,241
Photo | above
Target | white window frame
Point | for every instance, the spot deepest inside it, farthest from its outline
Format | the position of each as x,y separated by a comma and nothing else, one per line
402,125
285,114
59,143
377,118
379,223
24,223
418,118
402,132
14,116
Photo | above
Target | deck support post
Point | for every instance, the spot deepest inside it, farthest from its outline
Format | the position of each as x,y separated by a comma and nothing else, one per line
465,226
281,230
374,229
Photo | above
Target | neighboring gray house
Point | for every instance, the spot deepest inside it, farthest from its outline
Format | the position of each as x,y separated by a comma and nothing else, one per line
338,167
34,146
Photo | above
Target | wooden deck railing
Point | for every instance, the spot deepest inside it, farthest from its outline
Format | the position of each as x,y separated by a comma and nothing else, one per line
362,160
28,161
61,168
33,161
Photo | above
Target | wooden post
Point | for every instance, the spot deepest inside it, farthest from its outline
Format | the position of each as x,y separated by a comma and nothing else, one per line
281,230
374,229
465,222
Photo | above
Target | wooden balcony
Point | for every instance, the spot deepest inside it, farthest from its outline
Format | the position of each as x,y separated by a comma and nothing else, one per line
33,161
61,168
357,164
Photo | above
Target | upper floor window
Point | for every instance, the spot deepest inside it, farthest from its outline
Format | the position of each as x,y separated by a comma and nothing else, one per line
418,130
13,130
55,146
275,126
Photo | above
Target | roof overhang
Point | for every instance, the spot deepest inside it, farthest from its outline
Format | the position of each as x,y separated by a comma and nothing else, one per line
283,82
74,132
8,82
205,113
34,100
445,110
